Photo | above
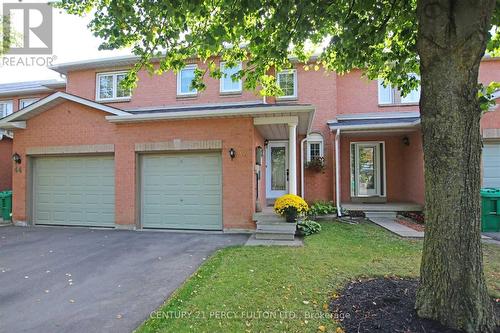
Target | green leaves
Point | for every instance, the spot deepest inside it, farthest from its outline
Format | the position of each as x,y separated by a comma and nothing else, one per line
485,95
378,36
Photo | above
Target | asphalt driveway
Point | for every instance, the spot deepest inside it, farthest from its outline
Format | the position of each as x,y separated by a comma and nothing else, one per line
86,280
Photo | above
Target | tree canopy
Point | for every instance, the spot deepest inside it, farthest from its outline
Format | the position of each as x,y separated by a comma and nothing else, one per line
376,36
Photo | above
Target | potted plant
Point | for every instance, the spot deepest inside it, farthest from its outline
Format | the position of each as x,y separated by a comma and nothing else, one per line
290,206
316,164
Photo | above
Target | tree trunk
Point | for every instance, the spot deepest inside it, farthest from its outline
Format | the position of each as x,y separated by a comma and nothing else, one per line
452,39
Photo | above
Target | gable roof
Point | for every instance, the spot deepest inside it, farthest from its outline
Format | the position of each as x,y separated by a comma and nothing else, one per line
17,119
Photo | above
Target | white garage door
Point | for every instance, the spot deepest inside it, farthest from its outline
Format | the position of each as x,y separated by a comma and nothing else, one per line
182,191
491,165
77,191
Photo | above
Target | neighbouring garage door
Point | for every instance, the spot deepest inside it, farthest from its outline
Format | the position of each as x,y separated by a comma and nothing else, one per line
182,191
77,191
491,165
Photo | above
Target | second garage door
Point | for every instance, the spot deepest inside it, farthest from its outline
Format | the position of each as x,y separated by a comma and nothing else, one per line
77,191
182,191
491,165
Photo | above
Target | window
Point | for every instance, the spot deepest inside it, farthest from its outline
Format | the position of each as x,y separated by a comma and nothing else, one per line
389,95
26,102
314,146
5,108
109,88
227,84
185,79
287,81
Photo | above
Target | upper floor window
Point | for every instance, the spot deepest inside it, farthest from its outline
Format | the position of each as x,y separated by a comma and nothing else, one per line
109,87
185,79
287,81
314,146
5,108
27,102
227,83
390,95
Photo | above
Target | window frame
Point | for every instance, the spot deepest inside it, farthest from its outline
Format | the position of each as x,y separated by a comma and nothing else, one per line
222,66
7,102
179,81
295,91
23,100
396,98
114,87
315,138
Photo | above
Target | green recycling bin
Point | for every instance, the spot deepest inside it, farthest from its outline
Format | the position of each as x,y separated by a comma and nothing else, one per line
490,209
6,205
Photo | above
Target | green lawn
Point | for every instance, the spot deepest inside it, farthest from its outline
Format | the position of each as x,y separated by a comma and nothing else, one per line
276,289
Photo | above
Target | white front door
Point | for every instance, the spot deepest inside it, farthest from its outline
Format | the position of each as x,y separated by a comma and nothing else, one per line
277,169
367,169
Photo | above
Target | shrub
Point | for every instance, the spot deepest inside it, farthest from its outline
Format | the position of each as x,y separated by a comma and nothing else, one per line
418,217
322,208
308,227
290,206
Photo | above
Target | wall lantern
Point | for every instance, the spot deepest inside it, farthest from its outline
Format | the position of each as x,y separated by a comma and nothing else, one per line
266,142
406,141
232,153
259,152
16,158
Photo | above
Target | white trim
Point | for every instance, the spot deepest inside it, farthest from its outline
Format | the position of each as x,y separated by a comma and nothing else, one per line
260,110
179,92
337,172
315,138
378,115
376,126
276,120
288,71
61,95
222,66
114,87
380,172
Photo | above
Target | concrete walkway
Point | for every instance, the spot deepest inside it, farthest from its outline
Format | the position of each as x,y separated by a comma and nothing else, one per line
407,232
397,228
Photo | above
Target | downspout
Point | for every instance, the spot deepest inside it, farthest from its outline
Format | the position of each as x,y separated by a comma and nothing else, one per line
337,172
302,189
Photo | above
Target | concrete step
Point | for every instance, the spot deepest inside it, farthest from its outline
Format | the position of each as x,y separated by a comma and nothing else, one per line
380,214
283,227
274,235
268,217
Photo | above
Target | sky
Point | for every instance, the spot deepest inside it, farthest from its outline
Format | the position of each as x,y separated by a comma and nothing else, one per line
72,41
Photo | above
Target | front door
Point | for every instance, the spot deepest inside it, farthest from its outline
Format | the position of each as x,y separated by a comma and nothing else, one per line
277,169
367,169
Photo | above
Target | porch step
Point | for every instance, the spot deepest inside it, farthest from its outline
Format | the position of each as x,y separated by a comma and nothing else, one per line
274,235
380,214
271,226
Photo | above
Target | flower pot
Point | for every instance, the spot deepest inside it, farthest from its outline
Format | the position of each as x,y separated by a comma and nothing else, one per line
291,216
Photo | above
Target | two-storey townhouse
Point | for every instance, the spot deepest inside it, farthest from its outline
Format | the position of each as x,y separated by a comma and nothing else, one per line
167,156
13,97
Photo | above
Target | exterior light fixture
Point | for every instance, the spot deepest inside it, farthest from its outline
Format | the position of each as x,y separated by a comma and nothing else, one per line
406,141
16,158
258,155
232,153
266,142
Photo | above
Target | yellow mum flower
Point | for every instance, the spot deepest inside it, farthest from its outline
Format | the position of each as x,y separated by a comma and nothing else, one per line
287,201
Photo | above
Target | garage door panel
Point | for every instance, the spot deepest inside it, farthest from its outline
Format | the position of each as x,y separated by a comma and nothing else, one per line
491,165
186,192
74,191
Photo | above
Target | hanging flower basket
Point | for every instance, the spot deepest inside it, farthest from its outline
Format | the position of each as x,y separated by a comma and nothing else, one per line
316,164
291,207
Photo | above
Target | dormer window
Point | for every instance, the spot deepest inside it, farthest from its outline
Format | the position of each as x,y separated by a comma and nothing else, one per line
109,87
287,81
388,95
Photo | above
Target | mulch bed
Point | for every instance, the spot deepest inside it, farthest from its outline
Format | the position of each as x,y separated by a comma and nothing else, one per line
410,224
382,305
